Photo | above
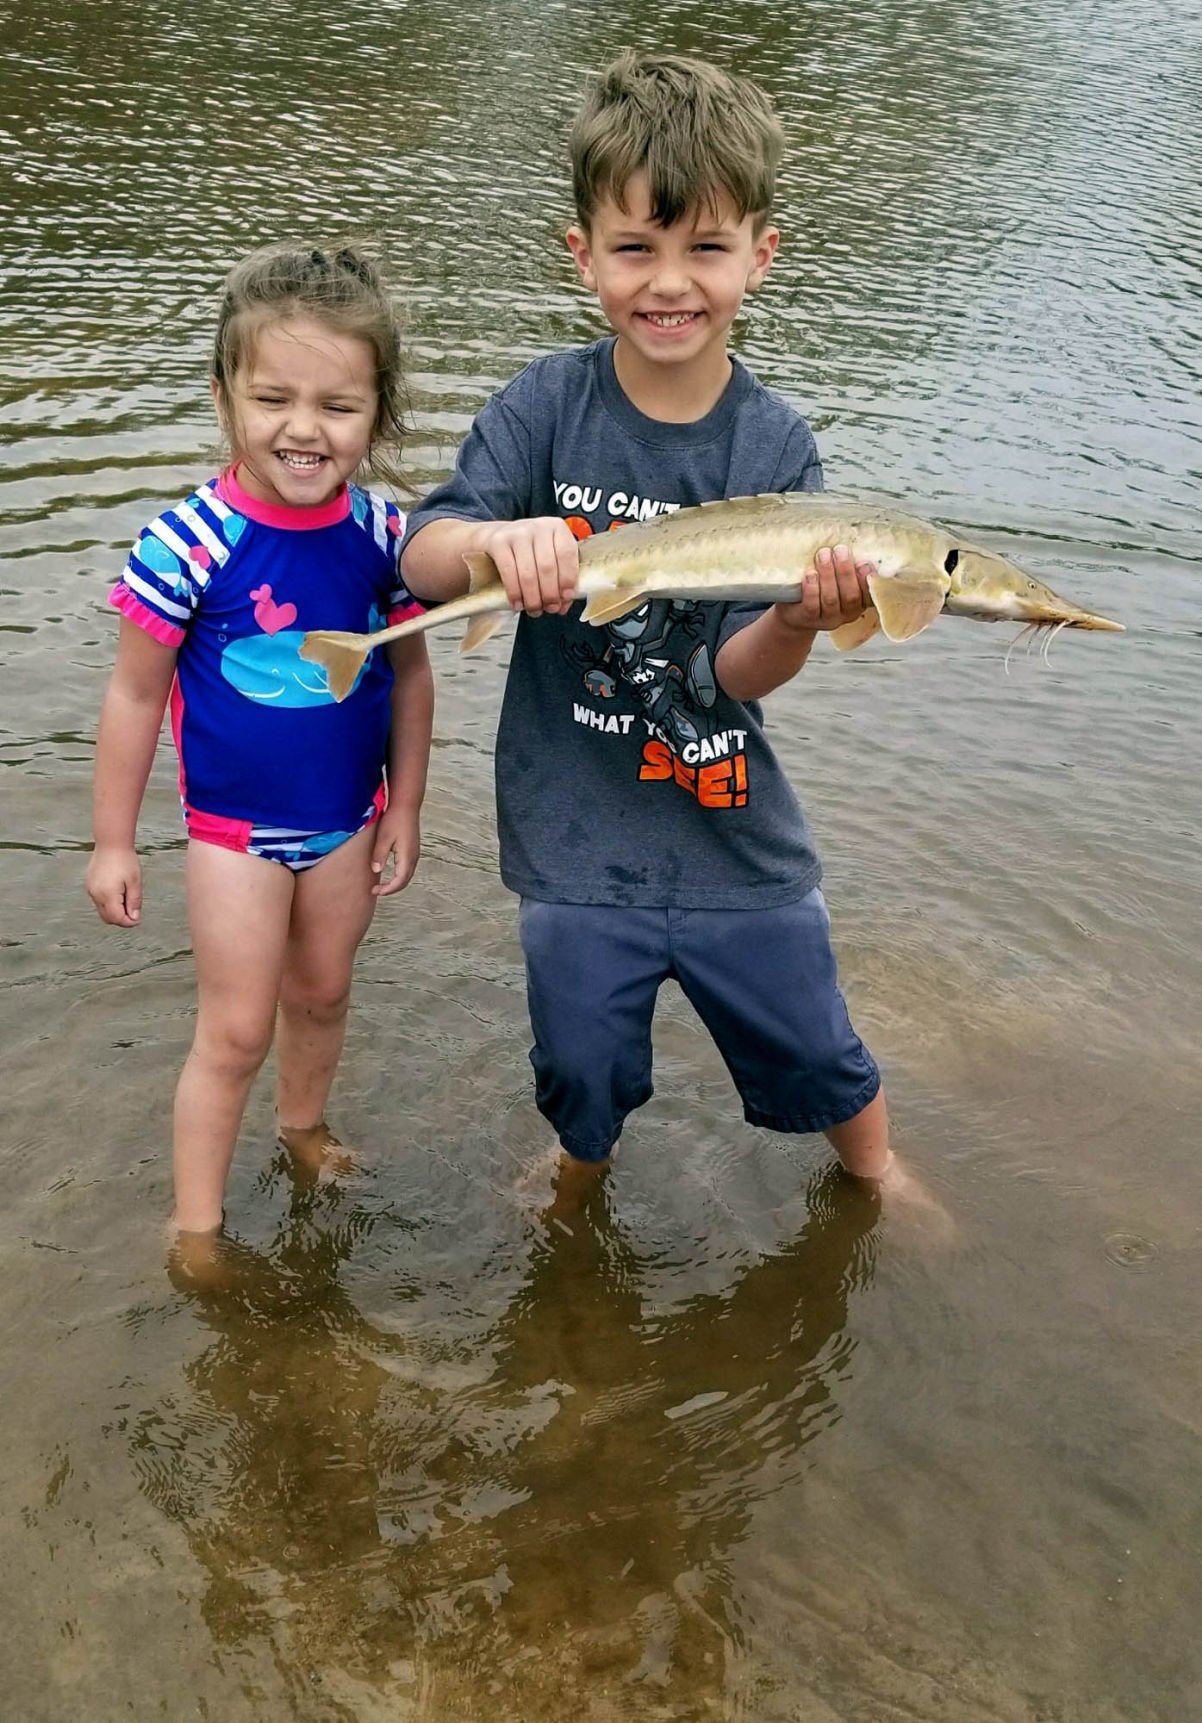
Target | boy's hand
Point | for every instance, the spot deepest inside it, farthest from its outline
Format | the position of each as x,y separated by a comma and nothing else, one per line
833,592
398,835
538,561
114,884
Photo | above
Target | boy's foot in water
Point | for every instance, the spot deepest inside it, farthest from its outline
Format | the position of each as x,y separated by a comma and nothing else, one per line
902,1193
559,1187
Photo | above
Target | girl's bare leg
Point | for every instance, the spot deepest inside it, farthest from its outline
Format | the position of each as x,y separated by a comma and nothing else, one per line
331,911
238,910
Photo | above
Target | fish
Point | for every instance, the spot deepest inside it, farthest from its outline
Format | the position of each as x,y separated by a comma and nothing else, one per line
754,549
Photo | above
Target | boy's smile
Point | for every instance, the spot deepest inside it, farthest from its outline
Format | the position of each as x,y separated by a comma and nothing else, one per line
671,293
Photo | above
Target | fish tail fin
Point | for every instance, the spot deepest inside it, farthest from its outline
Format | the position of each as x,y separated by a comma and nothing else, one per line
480,629
341,656
853,634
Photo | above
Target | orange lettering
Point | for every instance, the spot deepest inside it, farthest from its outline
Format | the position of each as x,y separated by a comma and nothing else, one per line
657,762
713,785
720,785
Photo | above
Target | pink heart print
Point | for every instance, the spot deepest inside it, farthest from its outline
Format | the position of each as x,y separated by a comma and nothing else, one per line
198,554
270,616
394,526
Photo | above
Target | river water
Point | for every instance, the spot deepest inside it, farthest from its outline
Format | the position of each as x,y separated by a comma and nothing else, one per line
736,1445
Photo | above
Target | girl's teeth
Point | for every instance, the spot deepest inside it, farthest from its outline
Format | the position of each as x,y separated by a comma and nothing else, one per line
306,462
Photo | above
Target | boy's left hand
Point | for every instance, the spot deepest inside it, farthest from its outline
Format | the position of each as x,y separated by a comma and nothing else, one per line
397,835
833,592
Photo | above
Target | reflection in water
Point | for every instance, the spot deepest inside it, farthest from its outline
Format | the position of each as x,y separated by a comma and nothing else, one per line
366,1505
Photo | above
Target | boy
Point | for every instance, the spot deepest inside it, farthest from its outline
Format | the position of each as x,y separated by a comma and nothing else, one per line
643,817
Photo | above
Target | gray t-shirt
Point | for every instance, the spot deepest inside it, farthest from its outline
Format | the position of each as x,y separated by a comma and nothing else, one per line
624,774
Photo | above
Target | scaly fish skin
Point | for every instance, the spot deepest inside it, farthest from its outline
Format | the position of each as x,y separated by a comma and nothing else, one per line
755,549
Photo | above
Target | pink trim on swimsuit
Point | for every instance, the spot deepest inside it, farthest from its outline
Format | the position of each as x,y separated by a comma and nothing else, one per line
295,850
217,829
177,734
276,514
402,612
127,602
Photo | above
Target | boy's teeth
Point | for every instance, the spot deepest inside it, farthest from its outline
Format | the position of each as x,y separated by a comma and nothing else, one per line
670,318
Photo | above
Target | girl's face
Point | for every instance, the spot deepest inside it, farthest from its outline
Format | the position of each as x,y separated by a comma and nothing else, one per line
300,412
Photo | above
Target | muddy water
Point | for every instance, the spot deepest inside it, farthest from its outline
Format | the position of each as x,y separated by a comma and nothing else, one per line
737,1445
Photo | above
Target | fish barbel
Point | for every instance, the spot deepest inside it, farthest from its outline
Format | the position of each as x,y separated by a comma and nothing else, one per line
753,549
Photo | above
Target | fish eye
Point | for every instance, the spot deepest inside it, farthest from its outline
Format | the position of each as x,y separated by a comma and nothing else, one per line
953,557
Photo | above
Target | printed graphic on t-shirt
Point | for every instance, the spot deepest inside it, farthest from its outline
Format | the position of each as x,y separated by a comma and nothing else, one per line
656,660
268,667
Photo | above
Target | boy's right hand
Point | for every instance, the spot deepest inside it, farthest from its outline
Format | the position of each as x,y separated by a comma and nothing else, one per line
538,561
114,884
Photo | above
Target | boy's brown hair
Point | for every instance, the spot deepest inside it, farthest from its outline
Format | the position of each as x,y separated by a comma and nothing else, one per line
693,129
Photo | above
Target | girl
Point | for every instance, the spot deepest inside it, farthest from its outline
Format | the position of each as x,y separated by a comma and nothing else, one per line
293,804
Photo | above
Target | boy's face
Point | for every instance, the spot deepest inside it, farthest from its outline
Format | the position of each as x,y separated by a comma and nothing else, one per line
671,293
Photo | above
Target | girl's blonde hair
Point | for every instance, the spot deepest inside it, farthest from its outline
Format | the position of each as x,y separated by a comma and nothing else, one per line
342,288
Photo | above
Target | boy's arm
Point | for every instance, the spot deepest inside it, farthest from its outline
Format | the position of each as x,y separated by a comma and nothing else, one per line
130,720
773,648
485,506
398,831
537,559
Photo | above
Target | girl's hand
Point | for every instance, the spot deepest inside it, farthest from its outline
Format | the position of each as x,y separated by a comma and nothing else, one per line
114,884
397,835
833,592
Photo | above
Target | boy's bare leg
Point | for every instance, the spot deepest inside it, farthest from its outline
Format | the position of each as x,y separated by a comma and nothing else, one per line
862,1142
862,1145
570,1180
575,1181
238,908
332,908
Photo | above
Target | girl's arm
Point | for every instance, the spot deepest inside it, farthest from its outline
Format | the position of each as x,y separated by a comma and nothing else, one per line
398,832
130,720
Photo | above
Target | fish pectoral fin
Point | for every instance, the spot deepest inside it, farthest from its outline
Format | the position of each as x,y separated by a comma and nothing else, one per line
853,634
481,570
602,607
907,603
480,629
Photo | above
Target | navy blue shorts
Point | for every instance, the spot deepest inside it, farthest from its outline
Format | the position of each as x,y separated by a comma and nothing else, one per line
762,981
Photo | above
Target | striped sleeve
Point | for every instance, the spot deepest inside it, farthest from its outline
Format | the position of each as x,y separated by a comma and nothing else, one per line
386,522
170,565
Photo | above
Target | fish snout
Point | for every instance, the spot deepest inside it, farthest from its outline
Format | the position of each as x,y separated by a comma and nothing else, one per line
1038,604
993,589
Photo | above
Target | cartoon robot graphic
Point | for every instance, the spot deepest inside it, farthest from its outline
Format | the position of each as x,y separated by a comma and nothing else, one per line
672,696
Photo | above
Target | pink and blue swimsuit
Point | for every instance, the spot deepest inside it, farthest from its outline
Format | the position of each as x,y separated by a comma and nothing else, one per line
270,763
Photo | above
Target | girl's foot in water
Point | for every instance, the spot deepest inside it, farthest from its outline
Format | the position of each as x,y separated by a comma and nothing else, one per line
315,1150
196,1261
